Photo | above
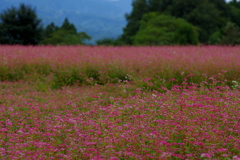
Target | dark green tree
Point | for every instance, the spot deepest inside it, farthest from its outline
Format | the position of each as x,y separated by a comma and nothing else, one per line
156,29
50,29
186,33
20,26
68,26
215,38
231,34
65,35
140,7
160,6
234,6
210,16
181,8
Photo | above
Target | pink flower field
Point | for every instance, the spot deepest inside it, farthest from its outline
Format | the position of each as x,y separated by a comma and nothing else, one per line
119,103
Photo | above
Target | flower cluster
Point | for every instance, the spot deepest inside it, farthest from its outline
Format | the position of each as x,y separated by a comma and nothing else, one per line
95,123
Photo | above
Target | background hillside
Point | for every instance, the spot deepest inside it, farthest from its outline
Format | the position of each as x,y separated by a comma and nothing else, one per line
98,18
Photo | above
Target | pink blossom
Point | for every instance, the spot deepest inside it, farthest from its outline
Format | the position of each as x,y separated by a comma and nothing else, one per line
8,122
222,150
206,155
2,151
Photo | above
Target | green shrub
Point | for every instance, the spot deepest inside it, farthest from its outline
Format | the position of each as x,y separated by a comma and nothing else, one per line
65,78
116,75
92,75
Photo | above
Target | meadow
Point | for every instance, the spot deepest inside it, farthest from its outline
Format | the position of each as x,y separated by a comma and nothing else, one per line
119,103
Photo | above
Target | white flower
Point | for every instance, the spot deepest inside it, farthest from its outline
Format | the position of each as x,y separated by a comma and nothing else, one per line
154,95
235,84
205,155
236,158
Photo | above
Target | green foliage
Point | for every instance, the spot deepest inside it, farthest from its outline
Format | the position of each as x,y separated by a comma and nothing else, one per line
20,26
42,69
41,87
215,38
68,26
50,29
209,16
234,6
153,32
105,41
67,78
11,74
25,71
231,34
140,7
168,79
186,34
110,42
156,29
65,35
92,74
116,75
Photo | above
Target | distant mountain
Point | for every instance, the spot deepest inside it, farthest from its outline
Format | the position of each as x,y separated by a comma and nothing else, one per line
98,18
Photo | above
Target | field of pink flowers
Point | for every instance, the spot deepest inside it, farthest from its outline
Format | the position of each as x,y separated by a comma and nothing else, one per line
119,103
80,65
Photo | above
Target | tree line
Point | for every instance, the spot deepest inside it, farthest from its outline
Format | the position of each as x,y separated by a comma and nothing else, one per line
151,22
22,26
166,22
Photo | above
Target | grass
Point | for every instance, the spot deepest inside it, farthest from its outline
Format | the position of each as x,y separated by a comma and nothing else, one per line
119,103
